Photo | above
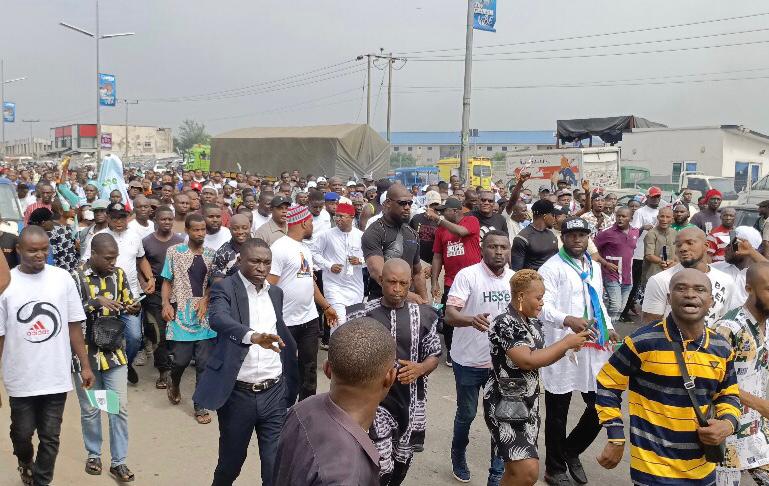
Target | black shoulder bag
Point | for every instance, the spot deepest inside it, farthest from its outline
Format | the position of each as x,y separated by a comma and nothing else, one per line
713,453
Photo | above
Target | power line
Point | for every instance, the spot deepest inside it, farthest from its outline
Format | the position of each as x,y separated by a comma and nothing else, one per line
329,69
603,54
604,46
603,34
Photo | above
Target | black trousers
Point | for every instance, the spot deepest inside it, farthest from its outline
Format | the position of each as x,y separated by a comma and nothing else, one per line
306,337
42,413
155,330
325,331
181,354
557,445
638,266
242,414
448,331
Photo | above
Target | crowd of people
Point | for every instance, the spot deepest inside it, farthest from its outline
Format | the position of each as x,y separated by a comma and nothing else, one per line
247,277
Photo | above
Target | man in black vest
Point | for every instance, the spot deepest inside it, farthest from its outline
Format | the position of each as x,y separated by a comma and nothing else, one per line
249,386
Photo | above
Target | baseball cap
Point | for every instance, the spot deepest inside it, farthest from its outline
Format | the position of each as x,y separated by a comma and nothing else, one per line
320,179
764,204
351,183
654,191
99,204
544,188
331,196
451,203
432,197
563,192
117,209
311,184
279,201
575,224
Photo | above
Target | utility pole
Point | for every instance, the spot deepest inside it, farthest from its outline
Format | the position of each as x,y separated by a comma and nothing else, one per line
127,102
31,137
368,85
389,92
3,82
464,147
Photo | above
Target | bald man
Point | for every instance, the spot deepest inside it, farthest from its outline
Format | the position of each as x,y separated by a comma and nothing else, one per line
391,237
226,258
141,222
400,420
690,251
666,451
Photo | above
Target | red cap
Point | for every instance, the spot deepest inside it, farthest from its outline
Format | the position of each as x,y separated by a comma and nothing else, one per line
344,208
196,186
654,191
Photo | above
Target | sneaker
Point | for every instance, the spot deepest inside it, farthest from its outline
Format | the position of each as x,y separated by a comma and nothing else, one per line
324,346
449,363
25,473
140,359
133,376
419,447
459,467
576,470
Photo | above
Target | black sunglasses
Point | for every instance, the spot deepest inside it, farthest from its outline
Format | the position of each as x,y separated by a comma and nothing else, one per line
403,203
487,200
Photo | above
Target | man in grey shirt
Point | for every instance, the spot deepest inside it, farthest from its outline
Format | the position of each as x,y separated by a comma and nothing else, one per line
323,428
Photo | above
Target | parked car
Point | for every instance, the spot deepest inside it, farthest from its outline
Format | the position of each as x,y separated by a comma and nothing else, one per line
758,192
747,215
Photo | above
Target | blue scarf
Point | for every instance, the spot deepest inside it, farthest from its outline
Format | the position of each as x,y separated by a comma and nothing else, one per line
602,337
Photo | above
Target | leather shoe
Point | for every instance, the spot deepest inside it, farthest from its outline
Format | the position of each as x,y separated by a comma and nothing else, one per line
559,479
576,470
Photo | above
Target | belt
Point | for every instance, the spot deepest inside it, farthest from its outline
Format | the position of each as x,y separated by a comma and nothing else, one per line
257,387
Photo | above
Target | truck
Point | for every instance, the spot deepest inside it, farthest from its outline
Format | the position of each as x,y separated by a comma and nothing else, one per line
600,165
199,158
698,182
478,171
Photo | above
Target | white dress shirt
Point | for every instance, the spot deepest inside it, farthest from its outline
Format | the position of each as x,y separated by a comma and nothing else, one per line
260,364
566,295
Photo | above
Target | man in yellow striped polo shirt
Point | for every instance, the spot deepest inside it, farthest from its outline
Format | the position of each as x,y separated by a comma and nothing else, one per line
665,436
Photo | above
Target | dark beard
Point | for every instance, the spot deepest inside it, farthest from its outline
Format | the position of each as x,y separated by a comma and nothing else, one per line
762,308
690,263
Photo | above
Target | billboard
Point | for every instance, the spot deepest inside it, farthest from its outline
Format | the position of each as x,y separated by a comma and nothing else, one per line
106,140
485,15
9,112
107,91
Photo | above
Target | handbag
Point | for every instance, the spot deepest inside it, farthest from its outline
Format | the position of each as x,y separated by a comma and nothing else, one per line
511,407
713,453
107,333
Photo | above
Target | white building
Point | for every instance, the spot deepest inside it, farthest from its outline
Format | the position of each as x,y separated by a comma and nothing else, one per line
726,151
28,147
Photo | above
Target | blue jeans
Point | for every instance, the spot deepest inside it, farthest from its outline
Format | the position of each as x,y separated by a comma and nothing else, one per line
469,382
90,418
616,298
133,335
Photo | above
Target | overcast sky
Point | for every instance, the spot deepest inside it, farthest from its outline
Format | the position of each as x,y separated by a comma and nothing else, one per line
192,47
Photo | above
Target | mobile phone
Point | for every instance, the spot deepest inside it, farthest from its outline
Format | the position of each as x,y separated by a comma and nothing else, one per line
140,298
733,240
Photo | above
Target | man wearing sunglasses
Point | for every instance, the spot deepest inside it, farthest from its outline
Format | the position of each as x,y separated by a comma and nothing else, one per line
391,237
487,217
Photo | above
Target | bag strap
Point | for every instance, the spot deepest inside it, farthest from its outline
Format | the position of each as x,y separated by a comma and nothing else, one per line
688,383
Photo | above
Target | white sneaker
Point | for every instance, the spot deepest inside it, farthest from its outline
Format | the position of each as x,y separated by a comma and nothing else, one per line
140,359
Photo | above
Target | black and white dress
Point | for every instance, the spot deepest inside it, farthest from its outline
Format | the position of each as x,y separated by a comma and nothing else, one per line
513,442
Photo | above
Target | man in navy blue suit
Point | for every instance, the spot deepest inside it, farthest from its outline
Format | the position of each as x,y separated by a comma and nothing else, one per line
252,374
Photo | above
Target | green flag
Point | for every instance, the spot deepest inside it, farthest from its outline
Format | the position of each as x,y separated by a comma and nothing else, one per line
106,400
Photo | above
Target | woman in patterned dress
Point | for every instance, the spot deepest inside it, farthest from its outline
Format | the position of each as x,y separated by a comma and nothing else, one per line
517,351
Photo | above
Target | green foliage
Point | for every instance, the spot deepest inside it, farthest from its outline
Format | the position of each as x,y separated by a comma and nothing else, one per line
498,157
398,160
190,133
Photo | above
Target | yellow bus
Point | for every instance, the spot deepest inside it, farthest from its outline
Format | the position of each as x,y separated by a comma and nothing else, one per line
478,171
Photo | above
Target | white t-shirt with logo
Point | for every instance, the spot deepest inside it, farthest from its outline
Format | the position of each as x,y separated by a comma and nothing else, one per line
476,290
35,312
656,294
292,263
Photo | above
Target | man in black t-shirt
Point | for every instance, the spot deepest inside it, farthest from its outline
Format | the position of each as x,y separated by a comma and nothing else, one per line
391,237
536,243
487,217
8,245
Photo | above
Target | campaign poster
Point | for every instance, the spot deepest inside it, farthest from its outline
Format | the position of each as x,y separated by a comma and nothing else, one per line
485,15
106,140
107,91
9,112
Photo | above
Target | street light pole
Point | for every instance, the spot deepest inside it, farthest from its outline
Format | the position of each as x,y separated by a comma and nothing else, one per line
464,146
97,36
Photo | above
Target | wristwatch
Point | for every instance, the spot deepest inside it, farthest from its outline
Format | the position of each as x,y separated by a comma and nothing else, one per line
441,218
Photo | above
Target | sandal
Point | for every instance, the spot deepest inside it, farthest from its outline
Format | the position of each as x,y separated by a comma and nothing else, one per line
203,417
162,382
122,473
93,466
25,472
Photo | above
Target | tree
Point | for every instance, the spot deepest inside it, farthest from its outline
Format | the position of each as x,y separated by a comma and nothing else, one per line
191,133
398,160
498,156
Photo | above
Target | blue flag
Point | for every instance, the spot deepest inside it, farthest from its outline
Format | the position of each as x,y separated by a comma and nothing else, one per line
485,15
111,178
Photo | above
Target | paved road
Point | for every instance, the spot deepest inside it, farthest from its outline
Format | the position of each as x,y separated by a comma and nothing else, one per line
168,448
